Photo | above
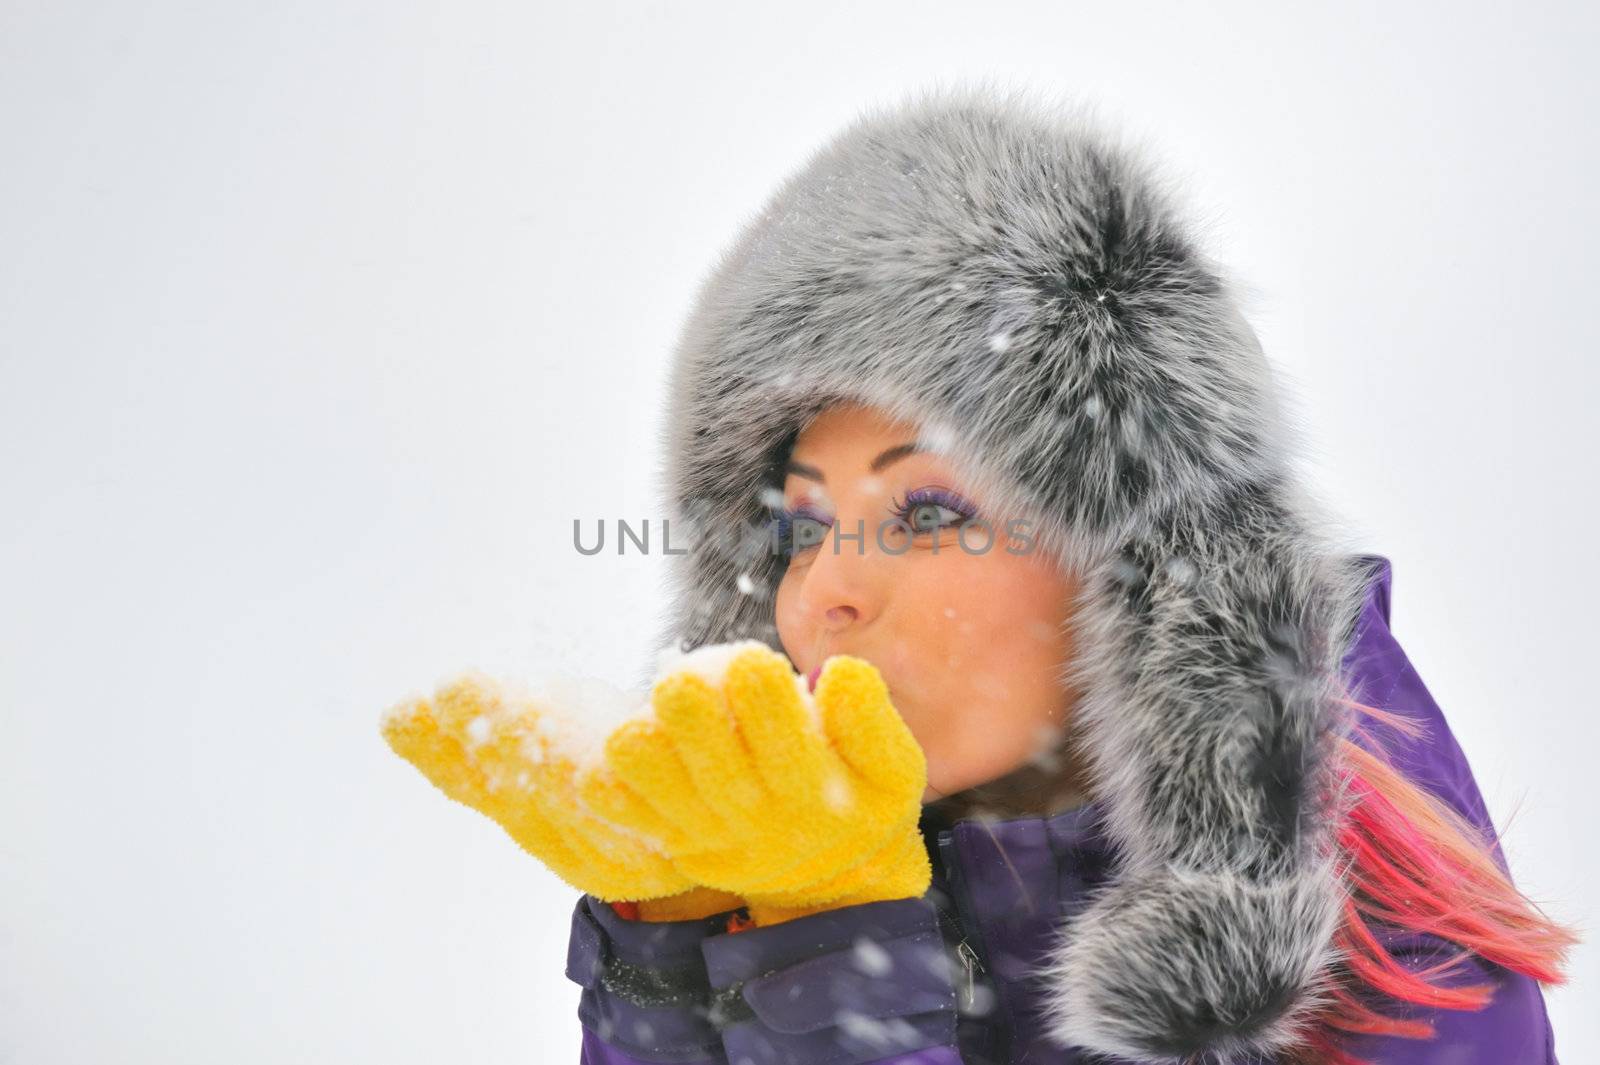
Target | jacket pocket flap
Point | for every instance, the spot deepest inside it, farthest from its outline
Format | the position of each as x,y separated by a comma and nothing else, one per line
871,981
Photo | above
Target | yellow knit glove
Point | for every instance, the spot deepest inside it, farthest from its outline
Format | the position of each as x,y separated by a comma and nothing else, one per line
798,808
486,748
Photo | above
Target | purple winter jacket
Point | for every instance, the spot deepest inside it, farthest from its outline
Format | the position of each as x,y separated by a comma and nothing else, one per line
945,979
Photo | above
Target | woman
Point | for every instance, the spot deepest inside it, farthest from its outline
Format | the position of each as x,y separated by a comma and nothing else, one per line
1142,733
1178,805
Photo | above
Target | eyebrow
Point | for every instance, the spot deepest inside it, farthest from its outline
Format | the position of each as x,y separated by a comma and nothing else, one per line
893,454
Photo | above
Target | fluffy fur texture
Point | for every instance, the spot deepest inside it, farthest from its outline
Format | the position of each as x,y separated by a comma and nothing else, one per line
1004,274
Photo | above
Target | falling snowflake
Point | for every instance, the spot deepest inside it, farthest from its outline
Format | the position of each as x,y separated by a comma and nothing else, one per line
937,437
894,1032
1182,570
871,958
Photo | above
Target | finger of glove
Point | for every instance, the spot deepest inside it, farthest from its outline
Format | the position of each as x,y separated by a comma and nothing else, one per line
557,789
412,731
801,864
611,799
532,792
866,729
523,809
546,794
467,708
534,834
786,746
702,729
603,856
642,756
905,880
899,868
608,866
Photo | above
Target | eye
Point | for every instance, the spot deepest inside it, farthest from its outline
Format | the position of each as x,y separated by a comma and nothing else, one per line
932,509
799,530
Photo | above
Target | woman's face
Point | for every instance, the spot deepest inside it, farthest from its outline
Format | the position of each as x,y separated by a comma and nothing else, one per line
971,640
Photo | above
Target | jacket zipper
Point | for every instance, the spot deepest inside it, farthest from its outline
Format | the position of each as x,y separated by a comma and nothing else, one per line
969,958
970,947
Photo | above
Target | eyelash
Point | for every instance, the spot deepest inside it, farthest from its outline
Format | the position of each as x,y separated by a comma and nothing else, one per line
941,497
904,511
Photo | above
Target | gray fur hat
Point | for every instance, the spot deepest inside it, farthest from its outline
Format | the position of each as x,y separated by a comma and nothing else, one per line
1000,272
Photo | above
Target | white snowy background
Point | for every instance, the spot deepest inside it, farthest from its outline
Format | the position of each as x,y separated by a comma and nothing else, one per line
320,322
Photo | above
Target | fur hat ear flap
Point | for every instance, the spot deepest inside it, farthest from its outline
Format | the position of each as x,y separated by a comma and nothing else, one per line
1212,709
1133,977
1000,270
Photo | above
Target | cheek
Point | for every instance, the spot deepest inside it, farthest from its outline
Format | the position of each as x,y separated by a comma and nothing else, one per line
996,621
989,644
792,629
916,635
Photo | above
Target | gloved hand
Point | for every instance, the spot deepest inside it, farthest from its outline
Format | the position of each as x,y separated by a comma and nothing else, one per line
486,749
796,808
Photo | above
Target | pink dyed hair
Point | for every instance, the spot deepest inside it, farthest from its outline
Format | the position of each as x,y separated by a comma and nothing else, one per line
1413,863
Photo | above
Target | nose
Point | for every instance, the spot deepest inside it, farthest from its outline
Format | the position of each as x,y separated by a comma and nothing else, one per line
842,590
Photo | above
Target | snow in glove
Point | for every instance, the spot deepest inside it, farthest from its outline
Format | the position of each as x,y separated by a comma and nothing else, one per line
753,787
515,758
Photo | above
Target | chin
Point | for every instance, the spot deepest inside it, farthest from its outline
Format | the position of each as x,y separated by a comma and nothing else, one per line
941,784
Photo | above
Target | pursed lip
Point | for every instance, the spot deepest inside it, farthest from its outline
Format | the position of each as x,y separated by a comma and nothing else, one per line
816,672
